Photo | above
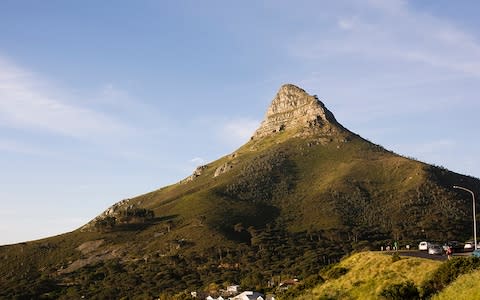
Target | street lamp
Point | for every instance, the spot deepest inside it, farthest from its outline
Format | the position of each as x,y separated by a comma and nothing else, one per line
474,219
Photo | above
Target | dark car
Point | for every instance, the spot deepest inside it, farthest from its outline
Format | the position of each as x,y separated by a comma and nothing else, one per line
454,245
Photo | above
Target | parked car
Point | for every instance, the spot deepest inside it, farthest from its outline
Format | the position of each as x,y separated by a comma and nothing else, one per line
423,246
435,249
469,246
454,245
476,253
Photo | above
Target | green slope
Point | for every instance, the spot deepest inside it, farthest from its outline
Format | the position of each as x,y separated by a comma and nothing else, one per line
369,273
286,203
466,287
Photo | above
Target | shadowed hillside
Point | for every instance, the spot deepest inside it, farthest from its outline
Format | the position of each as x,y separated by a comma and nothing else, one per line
299,195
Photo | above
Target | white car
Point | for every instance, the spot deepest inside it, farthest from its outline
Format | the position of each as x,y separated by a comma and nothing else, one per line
435,250
470,245
423,246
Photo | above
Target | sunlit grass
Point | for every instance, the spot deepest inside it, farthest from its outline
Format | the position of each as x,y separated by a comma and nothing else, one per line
369,273
466,287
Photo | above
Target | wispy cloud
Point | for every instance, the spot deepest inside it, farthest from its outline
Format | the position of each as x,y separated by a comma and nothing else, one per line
391,30
347,23
197,161
28,102
236,132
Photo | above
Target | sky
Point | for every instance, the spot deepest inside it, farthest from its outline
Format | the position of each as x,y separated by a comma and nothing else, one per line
105,100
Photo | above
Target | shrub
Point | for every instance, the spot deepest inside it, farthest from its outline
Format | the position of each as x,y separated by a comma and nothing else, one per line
335,272
106,223
293,292
395,257
136,215
447,273
400,291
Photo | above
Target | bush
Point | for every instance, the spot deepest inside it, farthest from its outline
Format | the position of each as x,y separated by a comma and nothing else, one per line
335,272
447,273
395,257
293,292
106,223
400,291
312,280
136,215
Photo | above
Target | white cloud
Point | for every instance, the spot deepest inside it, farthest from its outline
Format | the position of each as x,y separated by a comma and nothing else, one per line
197,160
28,102
114,97
392,31
346,23
239,131
109,91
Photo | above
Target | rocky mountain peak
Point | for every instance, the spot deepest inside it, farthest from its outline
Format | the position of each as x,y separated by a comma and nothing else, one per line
293,109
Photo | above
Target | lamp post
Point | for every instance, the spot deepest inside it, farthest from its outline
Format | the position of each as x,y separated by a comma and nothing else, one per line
474,219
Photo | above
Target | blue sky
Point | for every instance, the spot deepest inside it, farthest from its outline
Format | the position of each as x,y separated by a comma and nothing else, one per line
106,100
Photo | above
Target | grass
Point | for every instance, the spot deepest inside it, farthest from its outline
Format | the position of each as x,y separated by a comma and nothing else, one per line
466,287
317,192
369,273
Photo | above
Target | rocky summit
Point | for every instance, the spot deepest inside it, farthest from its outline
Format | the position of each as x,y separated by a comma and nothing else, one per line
295,110
303,192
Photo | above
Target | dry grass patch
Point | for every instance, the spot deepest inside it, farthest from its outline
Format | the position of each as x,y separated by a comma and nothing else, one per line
371,272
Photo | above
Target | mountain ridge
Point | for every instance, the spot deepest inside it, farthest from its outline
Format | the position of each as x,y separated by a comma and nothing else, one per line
292,113
300,194
292,108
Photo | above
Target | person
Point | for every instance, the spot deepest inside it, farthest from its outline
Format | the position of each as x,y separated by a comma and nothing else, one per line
449,252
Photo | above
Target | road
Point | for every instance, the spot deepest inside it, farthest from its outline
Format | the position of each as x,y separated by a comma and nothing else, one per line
424,254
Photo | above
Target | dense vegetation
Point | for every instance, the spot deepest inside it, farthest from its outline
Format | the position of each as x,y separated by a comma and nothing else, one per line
465,287
448,273
285,207
371,275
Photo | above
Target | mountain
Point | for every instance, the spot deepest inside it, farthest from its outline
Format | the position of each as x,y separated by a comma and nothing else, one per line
300,194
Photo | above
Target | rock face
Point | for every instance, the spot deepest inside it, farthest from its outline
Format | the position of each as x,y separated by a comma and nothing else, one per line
198,171
112,211
222,169
293,109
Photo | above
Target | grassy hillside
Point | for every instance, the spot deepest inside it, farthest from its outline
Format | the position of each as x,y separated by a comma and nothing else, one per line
367,274
285,204
346,184
466,287
377,275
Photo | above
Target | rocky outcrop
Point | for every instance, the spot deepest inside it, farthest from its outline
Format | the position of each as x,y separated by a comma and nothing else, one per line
293,109
90,246
222,169
198,171
109,212
92,258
